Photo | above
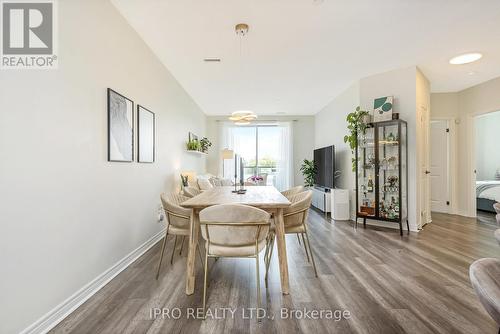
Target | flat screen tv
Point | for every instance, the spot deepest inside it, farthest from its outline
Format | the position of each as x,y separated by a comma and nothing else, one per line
324,162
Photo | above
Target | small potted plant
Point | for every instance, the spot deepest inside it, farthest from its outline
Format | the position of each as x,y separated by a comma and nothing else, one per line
309,171
205,144
193,145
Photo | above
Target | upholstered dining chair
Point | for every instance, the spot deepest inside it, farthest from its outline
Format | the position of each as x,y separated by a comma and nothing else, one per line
191,191
292,191
295,221
233,230
178,220
485,278
496,206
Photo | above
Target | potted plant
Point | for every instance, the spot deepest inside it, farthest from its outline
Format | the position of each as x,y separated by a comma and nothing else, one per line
357,122
205,144
193,145
309,171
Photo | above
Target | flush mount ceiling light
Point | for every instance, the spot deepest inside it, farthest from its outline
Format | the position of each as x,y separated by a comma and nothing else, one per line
242,117
465,58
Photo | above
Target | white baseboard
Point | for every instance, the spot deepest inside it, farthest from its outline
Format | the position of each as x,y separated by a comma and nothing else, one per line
61,311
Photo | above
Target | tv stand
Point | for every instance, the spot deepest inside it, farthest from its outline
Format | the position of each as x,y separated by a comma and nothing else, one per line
322,199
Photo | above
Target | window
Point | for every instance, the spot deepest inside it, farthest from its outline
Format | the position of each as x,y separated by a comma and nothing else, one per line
266,152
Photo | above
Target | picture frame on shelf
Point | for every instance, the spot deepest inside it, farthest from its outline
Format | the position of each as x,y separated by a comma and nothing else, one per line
146,124
192,136
120,127
383,109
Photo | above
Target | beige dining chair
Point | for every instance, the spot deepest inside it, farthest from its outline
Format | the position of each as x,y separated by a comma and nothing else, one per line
295,222
233,230
292,191
178,220
191,191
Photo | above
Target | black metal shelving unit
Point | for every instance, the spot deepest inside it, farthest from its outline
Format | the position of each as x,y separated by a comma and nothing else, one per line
382,156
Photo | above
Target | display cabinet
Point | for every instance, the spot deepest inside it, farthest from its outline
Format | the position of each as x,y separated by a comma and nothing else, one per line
382,173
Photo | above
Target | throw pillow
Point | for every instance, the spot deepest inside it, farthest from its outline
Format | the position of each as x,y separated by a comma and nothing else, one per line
204,184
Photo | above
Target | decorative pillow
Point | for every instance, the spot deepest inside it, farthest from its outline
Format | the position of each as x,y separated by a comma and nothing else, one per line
215,181
204,184
226,182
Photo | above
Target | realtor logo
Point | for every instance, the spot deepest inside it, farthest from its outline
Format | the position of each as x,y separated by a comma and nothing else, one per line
28,35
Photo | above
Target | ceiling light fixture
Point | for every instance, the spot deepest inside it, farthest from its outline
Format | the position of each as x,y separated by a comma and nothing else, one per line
242,117
465,58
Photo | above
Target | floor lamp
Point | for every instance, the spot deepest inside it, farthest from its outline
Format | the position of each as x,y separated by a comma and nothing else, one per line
226,154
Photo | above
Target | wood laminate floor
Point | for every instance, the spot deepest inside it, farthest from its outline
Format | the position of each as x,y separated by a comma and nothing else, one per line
389,284
486,217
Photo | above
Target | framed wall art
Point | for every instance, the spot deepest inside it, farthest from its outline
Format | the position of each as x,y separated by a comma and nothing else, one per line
120,127
145,135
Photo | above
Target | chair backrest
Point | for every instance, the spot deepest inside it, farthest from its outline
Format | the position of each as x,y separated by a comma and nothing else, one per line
191,191
234,225
176,214
496,206
292,191
264,179
297,213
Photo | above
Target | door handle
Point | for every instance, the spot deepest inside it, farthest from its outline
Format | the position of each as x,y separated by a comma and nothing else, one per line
427,172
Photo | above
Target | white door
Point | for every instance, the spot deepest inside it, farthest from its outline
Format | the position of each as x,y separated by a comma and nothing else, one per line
425,215
439,166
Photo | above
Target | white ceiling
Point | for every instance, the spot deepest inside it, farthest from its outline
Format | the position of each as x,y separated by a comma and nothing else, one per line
300,54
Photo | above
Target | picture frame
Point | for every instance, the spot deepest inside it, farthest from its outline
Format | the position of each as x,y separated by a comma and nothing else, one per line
120,111
146,135
383,109
192,136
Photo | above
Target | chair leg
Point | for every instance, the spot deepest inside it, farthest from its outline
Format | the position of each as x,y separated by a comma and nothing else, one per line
267,250
269,258
182,244
161,256
201,257
305,247
298,238
205,284
258,283
173,251
312,257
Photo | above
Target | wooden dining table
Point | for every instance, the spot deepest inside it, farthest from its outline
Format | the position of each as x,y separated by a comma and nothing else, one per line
267,198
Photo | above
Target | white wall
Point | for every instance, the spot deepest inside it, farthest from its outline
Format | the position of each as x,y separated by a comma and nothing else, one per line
487,152
303,141
462,107
67,214
402,84
409,88
330,129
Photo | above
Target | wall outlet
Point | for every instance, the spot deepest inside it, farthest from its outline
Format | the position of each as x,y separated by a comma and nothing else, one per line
160,214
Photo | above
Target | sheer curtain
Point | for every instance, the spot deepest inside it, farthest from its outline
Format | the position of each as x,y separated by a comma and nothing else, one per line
232,139
284,177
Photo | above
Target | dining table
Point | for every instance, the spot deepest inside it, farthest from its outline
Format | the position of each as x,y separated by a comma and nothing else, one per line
267,198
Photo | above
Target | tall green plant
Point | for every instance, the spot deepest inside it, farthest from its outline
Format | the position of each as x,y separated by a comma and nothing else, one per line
309,171
355,125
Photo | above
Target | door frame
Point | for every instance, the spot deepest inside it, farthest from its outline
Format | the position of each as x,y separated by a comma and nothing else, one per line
450,161
471,135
